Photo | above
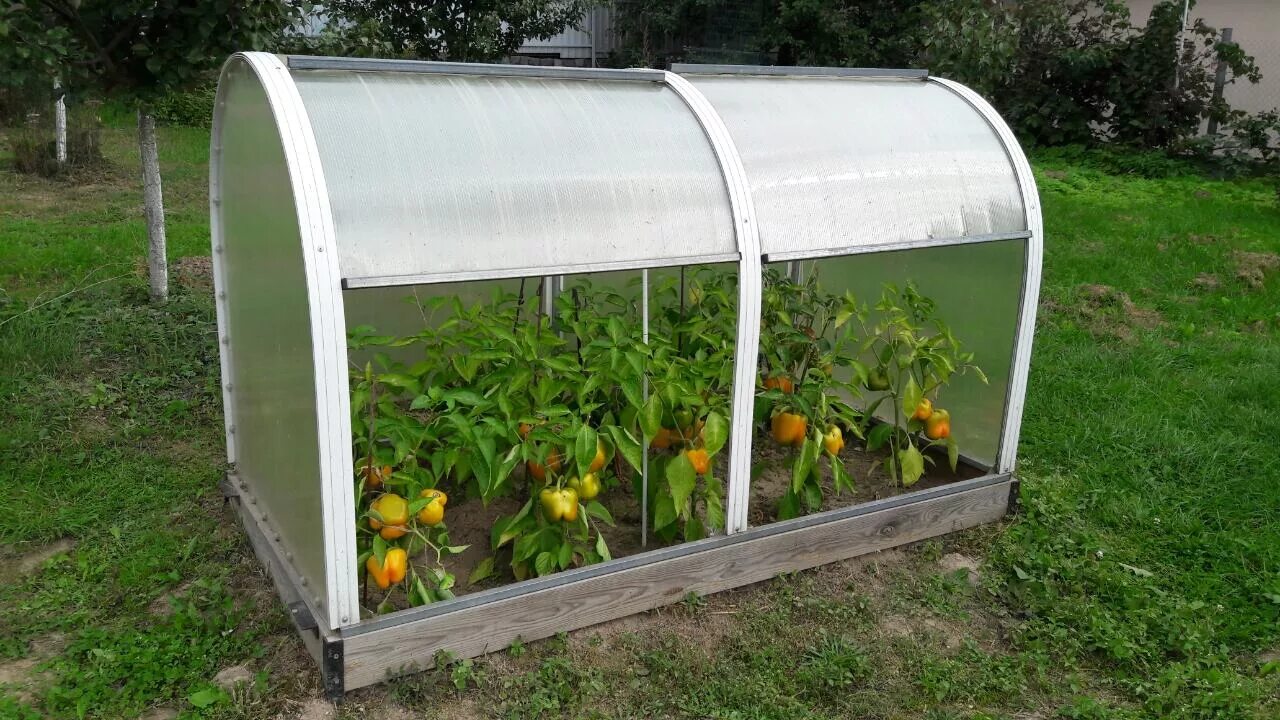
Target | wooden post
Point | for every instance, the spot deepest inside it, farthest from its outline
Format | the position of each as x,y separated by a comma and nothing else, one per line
59,123
153,205
1219,81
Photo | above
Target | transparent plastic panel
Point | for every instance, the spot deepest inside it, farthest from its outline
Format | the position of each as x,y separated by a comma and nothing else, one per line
437,174
485,398
975,290
272,375
840,162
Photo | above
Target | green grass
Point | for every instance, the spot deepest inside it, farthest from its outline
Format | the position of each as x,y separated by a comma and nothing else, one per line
1141,580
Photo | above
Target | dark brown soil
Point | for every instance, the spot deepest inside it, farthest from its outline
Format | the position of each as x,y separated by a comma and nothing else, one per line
470,521
870,480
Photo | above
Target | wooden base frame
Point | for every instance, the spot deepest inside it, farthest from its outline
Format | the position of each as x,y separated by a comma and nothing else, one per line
408,641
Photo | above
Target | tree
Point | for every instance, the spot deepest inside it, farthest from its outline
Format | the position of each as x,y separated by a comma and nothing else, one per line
138,51
462,30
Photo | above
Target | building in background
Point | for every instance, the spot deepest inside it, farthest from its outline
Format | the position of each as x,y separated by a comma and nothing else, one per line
1255,25
587,47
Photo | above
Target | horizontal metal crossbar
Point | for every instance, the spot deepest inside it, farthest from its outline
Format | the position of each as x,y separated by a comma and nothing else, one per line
355,283
309,62
789,70
792,255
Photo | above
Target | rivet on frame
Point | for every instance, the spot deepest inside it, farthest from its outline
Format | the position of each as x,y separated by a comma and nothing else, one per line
232,429
277,535
222,295
264,517
319,602
226,340
228,387
303,582
217,248
288,556
319,248
345,619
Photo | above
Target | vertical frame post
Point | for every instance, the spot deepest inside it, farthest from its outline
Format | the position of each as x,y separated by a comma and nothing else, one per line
1007,452
750,280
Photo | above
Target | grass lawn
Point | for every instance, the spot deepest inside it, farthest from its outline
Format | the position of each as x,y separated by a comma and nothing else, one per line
1141,580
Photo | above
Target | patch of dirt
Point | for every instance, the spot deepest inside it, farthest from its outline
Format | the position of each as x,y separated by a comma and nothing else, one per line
162,606
1252,267
1202,239
1056,174
232,677
1106,312
1206,282
22,677
1203,194
14,565
950,633
195,273
317,709
955,562
159,713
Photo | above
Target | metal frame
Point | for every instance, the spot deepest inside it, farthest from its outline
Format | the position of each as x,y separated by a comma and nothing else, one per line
798,255
336,617
340,605
374,281
798,71
1006,455
309,62
750,288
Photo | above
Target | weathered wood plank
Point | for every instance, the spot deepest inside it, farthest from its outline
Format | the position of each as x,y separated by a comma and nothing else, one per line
372,656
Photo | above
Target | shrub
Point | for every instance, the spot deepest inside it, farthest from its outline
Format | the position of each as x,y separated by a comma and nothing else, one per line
192,108
35,151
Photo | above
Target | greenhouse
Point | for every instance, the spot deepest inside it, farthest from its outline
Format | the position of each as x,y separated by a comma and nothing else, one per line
512,350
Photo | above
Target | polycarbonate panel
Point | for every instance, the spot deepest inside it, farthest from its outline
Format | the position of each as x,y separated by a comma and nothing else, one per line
272,374
435,174
853,162
978,291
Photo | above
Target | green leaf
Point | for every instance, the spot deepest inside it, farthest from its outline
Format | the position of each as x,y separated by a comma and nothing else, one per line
628,446
564,556
545,563
602,548
953,453
789,505
714,498
681,479
483,570
911,463
715,433
878,436
840,477
803,465
585,449
651,416
812,496
911,396
380,549
664,511
599,512
206,697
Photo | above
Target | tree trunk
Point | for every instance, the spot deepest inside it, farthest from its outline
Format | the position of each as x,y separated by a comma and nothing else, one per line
153,202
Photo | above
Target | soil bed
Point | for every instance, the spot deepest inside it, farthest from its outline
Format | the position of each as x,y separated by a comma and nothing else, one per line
470,521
